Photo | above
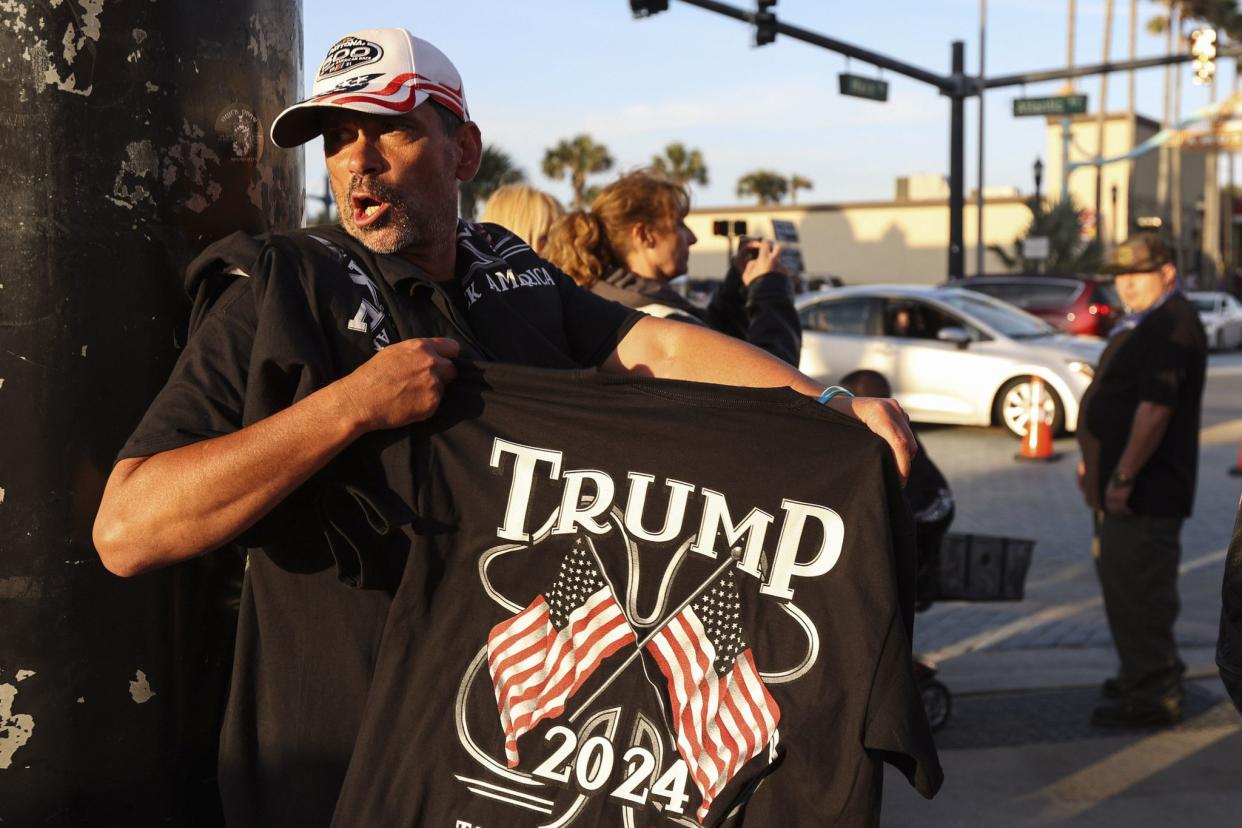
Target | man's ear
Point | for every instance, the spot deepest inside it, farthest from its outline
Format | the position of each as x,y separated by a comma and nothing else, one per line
1168,274
469,150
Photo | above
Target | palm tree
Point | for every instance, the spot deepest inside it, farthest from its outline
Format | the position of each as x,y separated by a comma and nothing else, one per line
681,166
1062,226
577,157
797,182
767,186
496,169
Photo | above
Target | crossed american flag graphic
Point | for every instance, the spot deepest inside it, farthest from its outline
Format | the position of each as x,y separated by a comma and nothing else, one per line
722,713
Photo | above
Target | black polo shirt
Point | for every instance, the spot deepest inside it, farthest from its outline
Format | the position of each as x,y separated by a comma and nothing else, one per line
1162,360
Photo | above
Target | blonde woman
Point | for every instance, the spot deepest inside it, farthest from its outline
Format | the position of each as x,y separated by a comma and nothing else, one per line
525,211
634,240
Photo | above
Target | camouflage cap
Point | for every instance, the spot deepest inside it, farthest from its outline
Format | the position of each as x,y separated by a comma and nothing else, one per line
1141,253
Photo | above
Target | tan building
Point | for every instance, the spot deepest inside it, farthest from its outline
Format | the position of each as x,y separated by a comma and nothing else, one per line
1139,190
906,239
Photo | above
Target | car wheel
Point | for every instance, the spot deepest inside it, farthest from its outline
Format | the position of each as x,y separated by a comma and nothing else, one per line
1013,405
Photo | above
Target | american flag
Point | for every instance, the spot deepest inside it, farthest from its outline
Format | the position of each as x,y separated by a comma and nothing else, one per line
722,713
540,657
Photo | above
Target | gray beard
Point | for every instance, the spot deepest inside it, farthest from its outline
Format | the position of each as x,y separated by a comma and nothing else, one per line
412,229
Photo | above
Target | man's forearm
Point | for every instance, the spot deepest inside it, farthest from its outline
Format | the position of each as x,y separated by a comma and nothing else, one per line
676,350
1146,431
178,504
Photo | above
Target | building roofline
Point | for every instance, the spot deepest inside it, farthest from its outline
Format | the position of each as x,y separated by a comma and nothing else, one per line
1092,117
930,203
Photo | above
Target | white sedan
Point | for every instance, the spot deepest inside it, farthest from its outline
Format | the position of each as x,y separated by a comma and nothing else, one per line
1221,315
951,355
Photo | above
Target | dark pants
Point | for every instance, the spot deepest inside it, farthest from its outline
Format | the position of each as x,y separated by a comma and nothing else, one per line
1136,558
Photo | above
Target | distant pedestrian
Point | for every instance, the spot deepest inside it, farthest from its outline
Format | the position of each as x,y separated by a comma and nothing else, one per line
1229,644
525,212
1139,436
634,240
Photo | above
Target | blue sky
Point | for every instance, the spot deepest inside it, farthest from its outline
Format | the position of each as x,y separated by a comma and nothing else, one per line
542,70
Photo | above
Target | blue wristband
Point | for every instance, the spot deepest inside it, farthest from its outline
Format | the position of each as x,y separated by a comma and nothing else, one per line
833,391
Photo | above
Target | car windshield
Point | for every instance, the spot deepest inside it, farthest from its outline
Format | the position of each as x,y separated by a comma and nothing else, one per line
999,316
1204,304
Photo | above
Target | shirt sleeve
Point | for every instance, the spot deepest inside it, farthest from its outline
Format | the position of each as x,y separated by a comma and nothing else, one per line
896,725
594,326
204,395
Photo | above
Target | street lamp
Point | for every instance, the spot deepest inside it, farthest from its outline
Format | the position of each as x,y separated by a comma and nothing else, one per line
1039,177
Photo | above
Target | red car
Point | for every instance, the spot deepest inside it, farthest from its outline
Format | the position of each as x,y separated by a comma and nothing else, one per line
1076,304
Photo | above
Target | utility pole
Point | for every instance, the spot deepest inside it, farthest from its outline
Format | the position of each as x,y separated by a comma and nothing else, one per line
1229,248
1176,183
1209,240
957,159
1132,108
1101,124
979,240
1165,166
1069,40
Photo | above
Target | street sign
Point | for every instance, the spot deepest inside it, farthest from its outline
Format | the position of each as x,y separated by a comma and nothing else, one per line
859,87
1226,140
1062,105
1035,247
784,231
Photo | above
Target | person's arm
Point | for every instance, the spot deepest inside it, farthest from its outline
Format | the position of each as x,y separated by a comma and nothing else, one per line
178,504
673,350
1146,431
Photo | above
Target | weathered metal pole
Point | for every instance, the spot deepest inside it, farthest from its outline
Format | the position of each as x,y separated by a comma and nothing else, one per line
980,244
131,134
957,162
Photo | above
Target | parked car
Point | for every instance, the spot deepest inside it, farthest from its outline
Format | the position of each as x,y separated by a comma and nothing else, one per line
1221,315
1073,303
951,355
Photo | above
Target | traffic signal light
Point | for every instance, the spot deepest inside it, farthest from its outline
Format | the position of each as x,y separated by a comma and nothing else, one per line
765,22
646,8
1203,47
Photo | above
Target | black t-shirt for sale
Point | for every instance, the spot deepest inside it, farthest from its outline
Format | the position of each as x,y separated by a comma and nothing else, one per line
642,602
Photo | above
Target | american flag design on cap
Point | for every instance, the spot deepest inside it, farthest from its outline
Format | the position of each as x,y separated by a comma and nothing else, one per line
378,72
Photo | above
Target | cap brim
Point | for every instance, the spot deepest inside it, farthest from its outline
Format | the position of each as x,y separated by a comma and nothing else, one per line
297,124
1149,266
303,121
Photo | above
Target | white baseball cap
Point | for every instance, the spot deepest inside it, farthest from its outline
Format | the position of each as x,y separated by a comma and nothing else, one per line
377,71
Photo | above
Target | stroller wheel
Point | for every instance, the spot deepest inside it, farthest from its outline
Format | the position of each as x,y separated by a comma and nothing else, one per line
936,702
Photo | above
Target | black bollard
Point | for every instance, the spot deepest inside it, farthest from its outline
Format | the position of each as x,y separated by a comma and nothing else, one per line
132,133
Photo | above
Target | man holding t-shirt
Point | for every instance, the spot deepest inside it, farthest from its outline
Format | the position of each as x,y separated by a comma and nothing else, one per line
1140,448
289,423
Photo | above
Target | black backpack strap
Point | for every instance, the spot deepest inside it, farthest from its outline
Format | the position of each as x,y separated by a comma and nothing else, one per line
372,317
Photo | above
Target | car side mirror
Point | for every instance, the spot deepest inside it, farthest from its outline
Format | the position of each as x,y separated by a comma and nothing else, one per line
957,335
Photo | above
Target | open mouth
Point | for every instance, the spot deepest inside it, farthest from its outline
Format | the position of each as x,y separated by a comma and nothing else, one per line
367,209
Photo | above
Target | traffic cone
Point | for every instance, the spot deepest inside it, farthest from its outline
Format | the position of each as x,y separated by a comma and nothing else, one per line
1037,444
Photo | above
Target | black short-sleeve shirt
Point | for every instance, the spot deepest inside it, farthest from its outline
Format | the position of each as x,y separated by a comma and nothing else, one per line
274,321
1162,360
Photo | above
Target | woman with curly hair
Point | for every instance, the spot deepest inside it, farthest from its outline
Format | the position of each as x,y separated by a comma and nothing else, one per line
633,240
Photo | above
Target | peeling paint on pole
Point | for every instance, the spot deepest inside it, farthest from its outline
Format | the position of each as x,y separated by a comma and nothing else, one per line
15,728
140,689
